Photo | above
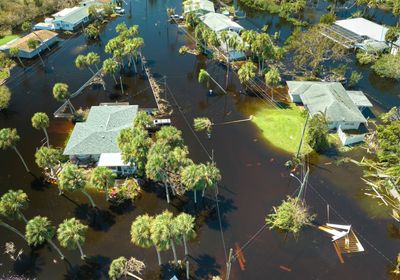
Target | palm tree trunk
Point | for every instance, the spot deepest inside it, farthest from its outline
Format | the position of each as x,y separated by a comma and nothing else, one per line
41,59
13,229
158,256
23,217
106,192
203,192
91,70
22,159
56,248
115,80
89,197
185,245
134,64
134,276
167,192
187,270
122,87
47,136
20,61
195,196
174,251
83,256
40,39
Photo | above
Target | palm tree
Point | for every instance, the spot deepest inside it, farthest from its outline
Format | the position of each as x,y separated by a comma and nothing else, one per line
32,45
141,234
110,66
49,158
12,203
39,230
102,178
61,93
121,266
272,78
73,179
201,124
27,27
5,96
81,63
204,75
9,138
14,52
184,224
40,120
71,235
247,72
224,35
170,135
163,232
92,58
11,228
142,120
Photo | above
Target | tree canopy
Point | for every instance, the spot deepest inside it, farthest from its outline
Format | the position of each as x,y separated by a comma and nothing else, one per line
5,97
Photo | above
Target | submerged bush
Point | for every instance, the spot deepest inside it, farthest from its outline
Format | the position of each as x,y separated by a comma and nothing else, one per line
388,66
365,58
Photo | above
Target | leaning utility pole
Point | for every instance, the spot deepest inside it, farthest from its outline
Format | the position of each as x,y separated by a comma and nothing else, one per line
302,134
229,264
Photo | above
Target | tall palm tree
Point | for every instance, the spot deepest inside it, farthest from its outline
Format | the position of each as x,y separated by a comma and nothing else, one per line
224,35
110,66
13,229
49,158
163,232
171,136
142,120
61,93
39,230
73,179
184,224
121,266
27,27
273,78
14,52
71,235
5,96
33,45
141,234
81,63
9,138
204,75
93,58
40,120
246,73
12,203
102,178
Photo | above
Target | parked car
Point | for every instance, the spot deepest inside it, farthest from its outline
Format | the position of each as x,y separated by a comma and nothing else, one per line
162,122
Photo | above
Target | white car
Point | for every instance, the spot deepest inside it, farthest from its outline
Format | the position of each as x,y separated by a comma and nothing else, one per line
161,122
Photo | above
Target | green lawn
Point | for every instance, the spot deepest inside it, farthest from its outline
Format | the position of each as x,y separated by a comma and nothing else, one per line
7,38
282,127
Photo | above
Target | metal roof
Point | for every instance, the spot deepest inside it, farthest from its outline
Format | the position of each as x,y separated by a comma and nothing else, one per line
99,133
359,98
76,15
329,98
364,27
219,22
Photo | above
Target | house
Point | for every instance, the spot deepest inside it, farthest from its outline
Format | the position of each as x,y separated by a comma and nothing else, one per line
341,108
198,7
95,140
70,19
219,22
45,38
367,34
225,48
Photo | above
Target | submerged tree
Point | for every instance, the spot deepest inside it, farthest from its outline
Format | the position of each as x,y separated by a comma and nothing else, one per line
122,267
71,235
317,133
40,120
14,52
142,120
12,203
291,216
9,138
141,233
39,230
110,66
49,158
73,179
61,93
184,224
102,178
273,78
203,124
163,232
5,96
246,73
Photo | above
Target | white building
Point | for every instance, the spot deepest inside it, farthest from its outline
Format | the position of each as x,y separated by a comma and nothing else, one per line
219,22
199,7
70,19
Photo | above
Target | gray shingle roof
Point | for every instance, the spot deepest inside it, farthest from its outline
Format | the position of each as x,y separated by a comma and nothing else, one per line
99,133
329,98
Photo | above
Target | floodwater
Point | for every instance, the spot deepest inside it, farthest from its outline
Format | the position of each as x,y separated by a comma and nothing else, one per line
254,176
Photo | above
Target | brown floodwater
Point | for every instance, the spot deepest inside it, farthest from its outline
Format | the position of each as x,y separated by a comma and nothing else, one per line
254,176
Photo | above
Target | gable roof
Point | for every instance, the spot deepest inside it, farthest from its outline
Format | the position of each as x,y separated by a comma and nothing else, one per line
198,5
329,98
22,43
76,14
99,133
219,22
359,98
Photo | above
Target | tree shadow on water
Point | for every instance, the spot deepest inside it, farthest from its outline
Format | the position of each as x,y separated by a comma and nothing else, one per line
206,265
29,265
123,208
209,213
98,219
40,184
95,267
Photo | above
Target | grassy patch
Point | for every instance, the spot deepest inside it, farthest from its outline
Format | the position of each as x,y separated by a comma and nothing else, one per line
7,38
282,127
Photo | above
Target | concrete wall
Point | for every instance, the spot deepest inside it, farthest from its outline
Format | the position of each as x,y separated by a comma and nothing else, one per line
349,139
295,98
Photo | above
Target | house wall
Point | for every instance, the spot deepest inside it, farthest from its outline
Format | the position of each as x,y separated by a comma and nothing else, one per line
295,97
349,139
62,25
41,48
343,124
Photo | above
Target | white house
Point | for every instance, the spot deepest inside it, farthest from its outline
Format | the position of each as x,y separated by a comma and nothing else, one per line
95,140
372,33
70,19
341,108
219,22
45,39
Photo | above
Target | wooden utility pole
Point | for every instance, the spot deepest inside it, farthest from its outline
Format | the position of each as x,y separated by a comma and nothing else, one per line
302,134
